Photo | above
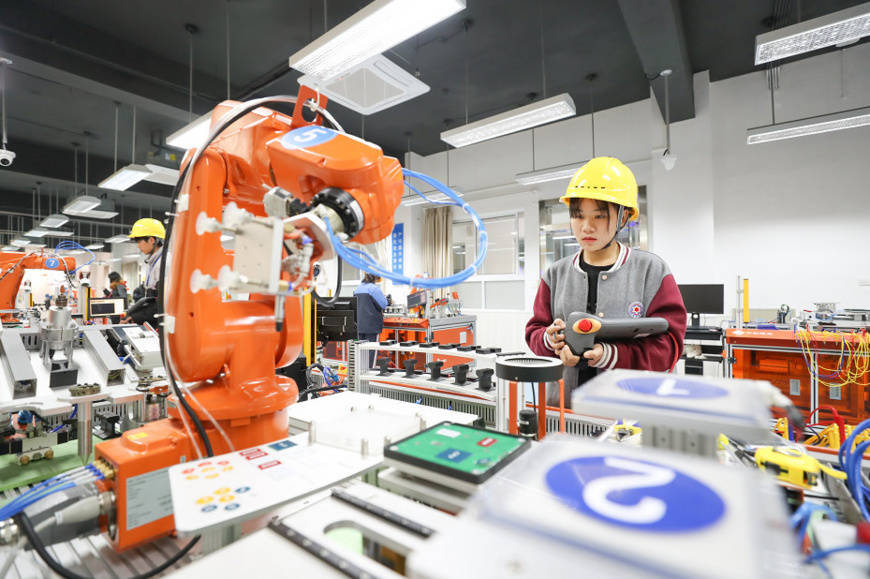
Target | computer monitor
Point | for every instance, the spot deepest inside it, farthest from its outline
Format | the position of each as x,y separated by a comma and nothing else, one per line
105,307
417,299
337,322
703,299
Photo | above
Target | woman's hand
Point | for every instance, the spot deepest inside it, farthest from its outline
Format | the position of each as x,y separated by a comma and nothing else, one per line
556,335
592,356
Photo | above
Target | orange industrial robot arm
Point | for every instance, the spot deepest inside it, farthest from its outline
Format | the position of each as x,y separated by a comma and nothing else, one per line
231,318
12,267
344,179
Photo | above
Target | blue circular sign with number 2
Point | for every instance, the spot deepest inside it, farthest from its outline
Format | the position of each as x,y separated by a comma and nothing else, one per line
305,137
672,388
638,494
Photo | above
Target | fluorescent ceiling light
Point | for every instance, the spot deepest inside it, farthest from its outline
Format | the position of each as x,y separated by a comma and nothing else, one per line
114,259
371,86
54,220
526,117
417,200
118,239
81,204
375,28
124,178
162,175
192,135
131,257
35,245
36,232
60,233
20,242
562,172
73,251
810,126
836,28
10,248
94,246
95,214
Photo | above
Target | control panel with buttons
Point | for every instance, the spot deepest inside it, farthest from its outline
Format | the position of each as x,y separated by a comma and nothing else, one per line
584,330
224,490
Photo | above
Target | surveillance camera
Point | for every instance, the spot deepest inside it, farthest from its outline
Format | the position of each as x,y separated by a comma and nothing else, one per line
6,157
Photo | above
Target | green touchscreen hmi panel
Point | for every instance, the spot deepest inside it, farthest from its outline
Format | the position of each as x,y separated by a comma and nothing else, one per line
466,453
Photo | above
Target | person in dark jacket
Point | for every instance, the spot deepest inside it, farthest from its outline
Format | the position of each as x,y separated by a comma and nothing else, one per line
117,289
607,279
370,305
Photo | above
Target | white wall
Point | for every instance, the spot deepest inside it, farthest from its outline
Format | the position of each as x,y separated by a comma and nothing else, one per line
791,215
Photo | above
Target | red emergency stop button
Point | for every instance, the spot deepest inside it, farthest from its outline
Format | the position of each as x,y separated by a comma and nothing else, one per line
584,325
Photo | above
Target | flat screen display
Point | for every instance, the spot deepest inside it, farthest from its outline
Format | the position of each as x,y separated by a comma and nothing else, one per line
417,299
103,307
704,298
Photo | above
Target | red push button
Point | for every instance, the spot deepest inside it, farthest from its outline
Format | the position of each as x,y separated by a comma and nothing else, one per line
584,325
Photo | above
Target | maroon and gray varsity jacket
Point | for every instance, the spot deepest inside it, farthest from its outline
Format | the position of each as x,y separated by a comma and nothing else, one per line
638,285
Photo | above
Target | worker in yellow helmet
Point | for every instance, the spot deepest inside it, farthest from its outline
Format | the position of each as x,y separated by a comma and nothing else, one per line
148,234
607,279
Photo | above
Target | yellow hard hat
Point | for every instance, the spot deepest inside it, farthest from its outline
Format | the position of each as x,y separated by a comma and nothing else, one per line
605,179
148,228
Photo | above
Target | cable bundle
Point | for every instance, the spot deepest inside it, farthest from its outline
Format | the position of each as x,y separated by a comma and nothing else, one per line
82,475
850,457
853,362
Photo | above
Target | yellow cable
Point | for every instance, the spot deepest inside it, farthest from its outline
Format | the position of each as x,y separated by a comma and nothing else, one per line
831,472
856,350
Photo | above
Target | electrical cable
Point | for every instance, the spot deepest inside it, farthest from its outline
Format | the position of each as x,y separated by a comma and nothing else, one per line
13,553
330,301
308,391
823,554
850,462
68,244
32,536
366,263
190,435
189,392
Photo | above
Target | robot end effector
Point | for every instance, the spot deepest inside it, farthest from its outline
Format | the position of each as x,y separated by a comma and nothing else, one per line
328,183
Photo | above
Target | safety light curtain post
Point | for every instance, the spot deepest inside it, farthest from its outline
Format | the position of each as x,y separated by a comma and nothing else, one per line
438,236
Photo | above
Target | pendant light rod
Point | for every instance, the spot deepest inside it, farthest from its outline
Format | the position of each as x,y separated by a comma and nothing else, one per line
591,78
133,160
543,64
3,63
666,73
191,30
117,106
228,50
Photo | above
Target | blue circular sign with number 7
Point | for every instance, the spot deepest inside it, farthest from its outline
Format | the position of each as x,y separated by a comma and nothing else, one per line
633,493
672,387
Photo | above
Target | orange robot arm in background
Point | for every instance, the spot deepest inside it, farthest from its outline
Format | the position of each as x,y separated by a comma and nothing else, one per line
12,267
